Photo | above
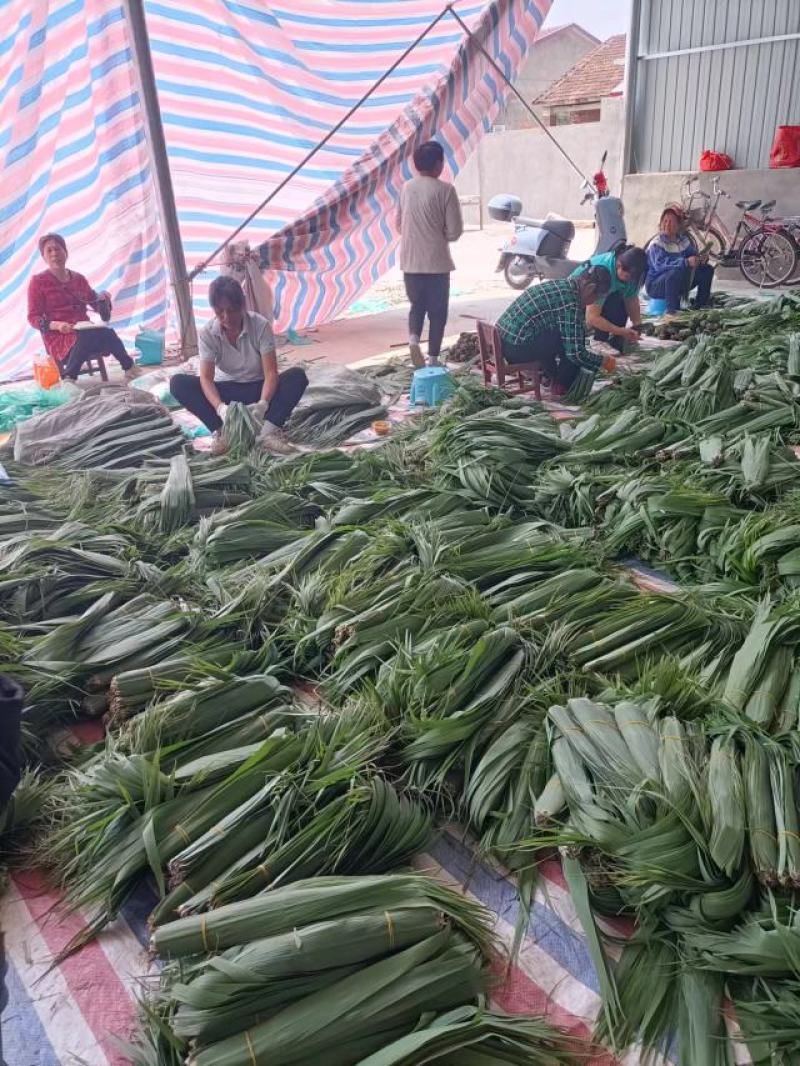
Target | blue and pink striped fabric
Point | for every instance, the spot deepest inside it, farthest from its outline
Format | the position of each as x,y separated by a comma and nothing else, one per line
347,240
246,88
81,1010
73,158
85,1009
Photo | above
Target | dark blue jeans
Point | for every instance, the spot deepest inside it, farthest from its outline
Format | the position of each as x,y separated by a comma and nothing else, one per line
674,283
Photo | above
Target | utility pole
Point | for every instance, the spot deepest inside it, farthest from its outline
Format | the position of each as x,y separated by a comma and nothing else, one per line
176,262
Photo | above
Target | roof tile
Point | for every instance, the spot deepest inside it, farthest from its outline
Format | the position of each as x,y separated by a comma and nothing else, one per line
597,75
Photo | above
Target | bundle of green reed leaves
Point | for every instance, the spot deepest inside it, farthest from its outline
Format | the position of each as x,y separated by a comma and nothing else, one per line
324,428
240,430
393,966
137,436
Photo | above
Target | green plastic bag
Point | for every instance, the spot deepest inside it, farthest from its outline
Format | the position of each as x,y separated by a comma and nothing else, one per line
18,405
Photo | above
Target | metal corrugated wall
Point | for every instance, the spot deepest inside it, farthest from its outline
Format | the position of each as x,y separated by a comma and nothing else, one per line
729,99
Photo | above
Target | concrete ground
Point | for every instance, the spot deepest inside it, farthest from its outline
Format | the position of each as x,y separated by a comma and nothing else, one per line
378,321
376,325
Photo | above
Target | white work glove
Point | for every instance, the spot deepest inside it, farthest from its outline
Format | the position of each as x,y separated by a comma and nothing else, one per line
222,410
259,410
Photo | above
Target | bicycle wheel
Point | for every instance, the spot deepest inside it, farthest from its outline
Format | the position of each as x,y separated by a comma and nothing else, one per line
768,258
793,233
709,240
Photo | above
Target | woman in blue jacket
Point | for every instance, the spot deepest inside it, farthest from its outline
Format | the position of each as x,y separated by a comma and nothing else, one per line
674,265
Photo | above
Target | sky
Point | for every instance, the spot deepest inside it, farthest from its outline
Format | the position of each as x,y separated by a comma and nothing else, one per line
600,17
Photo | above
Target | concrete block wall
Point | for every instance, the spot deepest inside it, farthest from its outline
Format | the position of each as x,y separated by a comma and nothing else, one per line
527,164
644,195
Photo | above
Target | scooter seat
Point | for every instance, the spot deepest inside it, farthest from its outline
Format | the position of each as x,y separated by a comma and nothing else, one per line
561,227
768,206
524,220
748,205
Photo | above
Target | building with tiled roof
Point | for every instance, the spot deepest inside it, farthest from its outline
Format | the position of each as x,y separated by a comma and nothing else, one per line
576,95
555,50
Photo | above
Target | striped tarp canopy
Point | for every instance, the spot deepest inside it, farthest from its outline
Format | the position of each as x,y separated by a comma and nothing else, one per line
246,88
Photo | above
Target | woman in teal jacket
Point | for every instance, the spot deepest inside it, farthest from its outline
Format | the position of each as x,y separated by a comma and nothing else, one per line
609,318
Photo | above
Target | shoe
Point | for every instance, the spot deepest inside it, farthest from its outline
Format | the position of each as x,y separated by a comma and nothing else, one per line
219,446
133,372
417,359
273,441
434,361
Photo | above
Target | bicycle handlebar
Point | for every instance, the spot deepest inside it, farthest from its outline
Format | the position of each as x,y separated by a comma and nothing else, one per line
716,189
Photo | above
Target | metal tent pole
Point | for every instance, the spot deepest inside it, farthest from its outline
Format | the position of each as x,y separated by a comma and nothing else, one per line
176,262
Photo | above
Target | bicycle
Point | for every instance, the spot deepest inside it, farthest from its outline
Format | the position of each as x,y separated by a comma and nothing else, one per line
791,226
761,247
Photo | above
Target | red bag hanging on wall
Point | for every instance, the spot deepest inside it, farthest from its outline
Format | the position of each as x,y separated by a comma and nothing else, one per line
785,148
715,161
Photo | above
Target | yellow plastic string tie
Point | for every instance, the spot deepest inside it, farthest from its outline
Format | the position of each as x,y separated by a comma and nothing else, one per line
761,829
747,693
263,869
204,932
182,833
788,833
250,1048
390,928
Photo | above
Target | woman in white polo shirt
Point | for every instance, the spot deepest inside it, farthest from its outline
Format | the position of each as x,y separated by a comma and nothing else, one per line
238,364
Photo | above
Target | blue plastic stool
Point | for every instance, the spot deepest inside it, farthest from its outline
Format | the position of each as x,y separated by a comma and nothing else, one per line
656,307
431,385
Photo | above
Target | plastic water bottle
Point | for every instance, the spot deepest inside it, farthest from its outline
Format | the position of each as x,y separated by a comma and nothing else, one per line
45,371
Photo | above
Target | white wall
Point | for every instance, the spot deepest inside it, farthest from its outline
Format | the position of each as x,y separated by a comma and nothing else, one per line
527,164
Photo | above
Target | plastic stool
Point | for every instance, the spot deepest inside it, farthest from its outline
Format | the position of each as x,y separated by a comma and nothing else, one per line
431,385
657,307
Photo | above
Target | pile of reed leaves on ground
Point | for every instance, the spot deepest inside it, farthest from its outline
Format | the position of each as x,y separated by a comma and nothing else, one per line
480,652
343,970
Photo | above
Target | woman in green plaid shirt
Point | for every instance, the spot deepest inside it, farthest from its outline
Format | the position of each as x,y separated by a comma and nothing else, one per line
547,325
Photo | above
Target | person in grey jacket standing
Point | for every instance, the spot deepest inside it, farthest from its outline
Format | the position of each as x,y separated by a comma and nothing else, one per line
429,219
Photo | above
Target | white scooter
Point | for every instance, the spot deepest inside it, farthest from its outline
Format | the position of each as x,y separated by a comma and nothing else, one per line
540,246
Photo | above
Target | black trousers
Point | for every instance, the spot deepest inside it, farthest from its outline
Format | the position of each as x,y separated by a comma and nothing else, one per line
188,391
429,294
90,343
546,349
615,312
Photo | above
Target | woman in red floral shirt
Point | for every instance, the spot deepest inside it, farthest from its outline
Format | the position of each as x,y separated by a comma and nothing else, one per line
57,301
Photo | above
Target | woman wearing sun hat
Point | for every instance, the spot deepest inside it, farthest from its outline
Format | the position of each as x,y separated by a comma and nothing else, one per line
675,267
